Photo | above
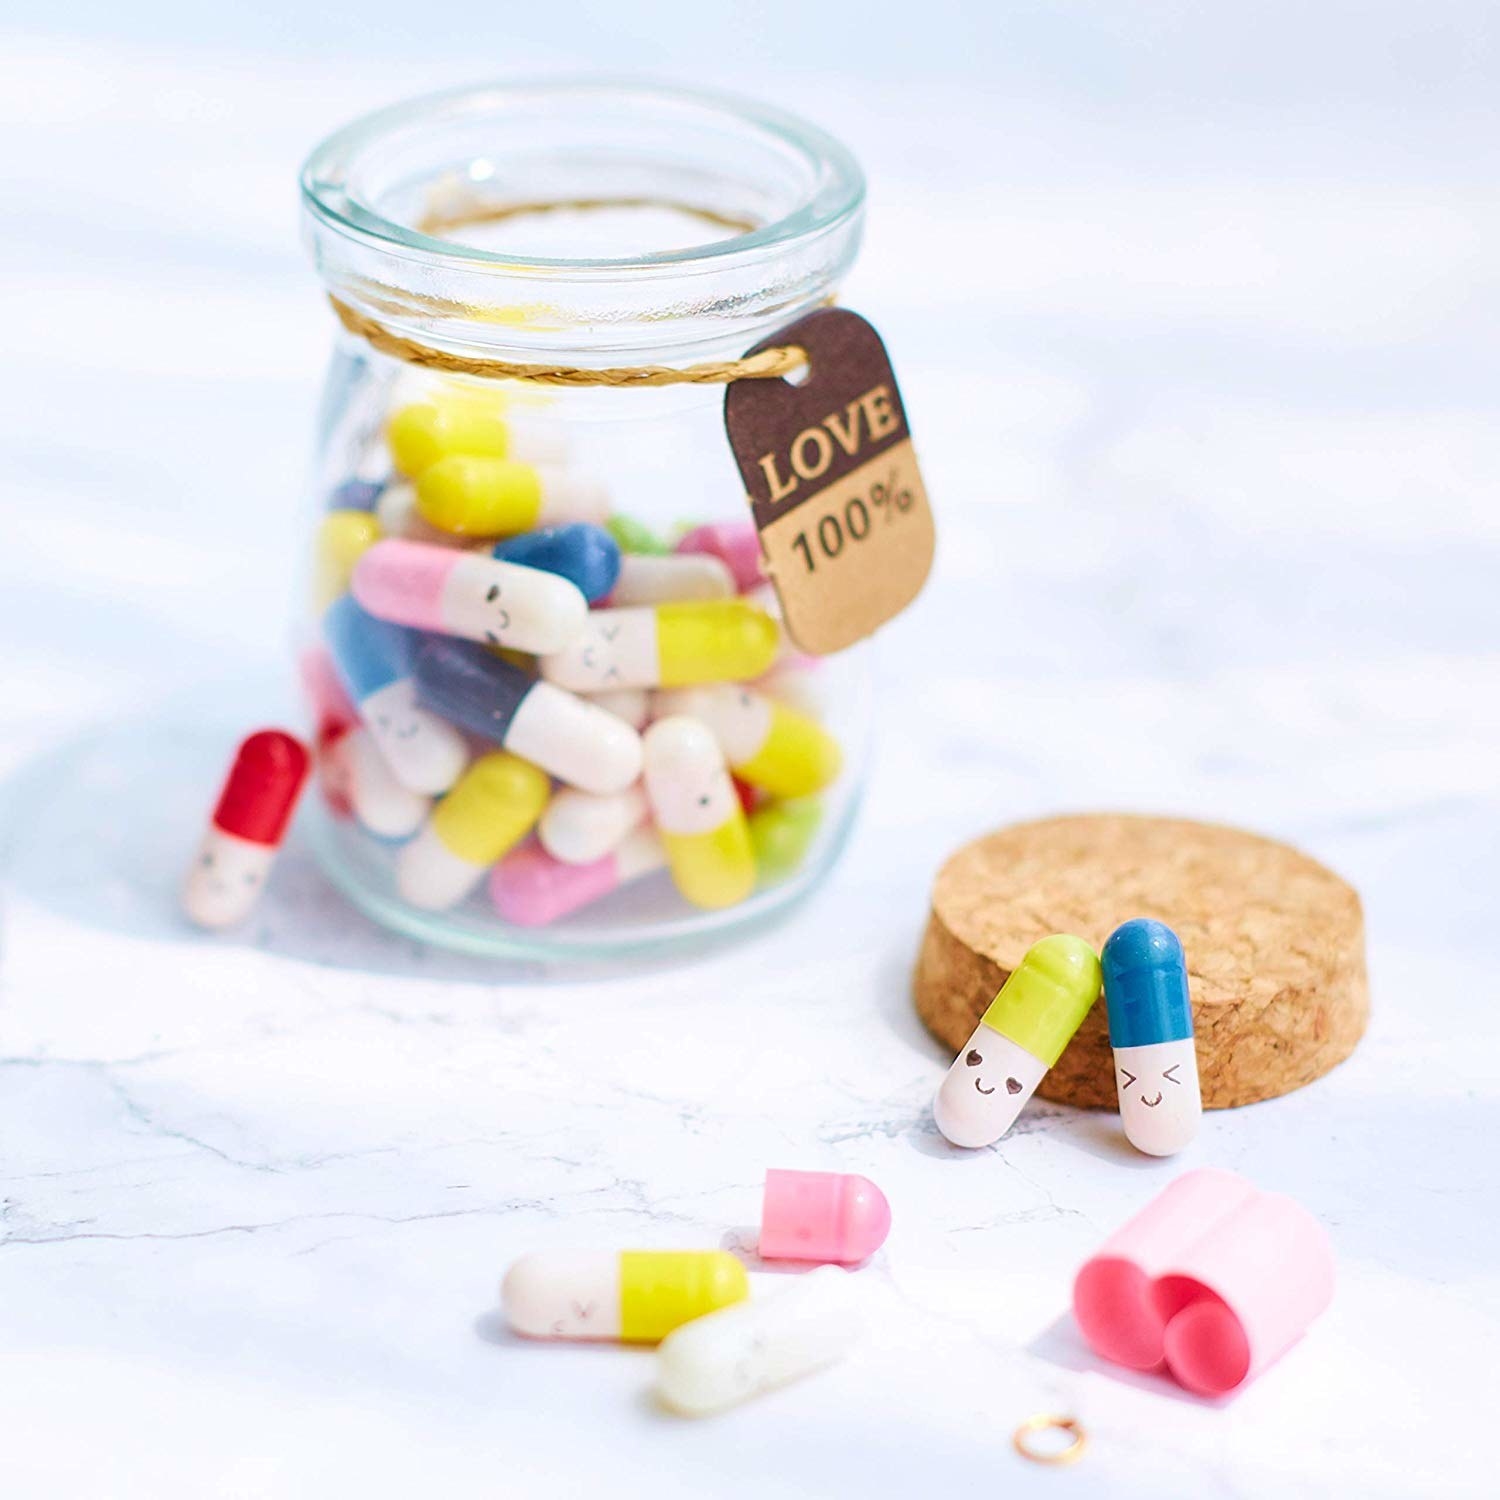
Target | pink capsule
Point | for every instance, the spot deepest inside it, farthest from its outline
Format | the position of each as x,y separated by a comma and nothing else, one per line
822,1216
735,543
332,708
531,889
468,594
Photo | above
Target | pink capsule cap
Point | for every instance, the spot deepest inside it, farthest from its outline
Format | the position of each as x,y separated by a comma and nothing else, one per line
402,581
333,710
1212,1282
822,1216
530,888
735,543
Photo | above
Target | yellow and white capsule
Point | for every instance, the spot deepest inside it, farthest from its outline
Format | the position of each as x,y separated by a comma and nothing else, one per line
767,744
728,1356
493,806
634,1296
697,813
470,495
649,579
580,827
672,645
419,433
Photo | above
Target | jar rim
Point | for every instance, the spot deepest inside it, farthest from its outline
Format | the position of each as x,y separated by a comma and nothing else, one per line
836,197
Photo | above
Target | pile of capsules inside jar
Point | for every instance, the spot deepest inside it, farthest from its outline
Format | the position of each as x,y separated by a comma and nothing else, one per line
528,692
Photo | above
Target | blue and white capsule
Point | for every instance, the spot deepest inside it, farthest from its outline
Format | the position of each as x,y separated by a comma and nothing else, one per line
374,661
1151,1032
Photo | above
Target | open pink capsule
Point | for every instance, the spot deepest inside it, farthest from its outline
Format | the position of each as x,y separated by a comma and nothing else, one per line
834,1217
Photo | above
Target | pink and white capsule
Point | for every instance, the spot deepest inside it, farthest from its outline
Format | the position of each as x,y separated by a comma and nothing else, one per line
530,888
580,827
466,594
648,579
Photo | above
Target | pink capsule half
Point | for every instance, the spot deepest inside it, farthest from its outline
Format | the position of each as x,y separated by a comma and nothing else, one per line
735,543
836,1217
531,889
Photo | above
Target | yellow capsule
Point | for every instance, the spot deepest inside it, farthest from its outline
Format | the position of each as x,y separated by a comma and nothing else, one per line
343,538
662,1289
479,496
714,640
491,808
768,745
445,424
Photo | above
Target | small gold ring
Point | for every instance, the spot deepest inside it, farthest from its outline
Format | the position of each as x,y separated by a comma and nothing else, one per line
1022,1436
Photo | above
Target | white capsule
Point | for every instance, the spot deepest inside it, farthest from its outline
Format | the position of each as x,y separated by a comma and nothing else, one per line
633,705
225,879
728,1356
573,739
381,804
425,753
648,579
580,827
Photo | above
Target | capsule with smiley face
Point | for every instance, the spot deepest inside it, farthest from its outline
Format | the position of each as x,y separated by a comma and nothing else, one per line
464,594
634,1296
1151,1031
1017,1040
697,813
672,645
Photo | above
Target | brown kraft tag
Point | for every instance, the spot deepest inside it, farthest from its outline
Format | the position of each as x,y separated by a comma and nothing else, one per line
833,482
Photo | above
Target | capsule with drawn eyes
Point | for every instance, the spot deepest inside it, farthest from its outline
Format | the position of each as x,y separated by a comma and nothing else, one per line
420,433
1151,1032
479,497
1017,1040
728,1356
374,662
632,1296
697,813
464,594
492,808
671,645
768,745
248,825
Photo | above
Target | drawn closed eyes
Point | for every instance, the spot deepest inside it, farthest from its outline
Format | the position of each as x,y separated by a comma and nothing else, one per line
1129,1078
1168,1072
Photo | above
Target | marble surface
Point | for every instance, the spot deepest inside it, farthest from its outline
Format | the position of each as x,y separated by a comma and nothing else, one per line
1206,415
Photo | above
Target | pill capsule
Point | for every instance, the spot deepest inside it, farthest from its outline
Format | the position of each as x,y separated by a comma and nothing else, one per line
781,833
576,741
396,510
1151,1032
369,788
587,556
246,829
356,494
531,889
823,1216
735,543
494,805
343,538
635,536
460,593
374,662
728,1356
635,1296
697,814
672,645
646,579
421,432
767,744
1018,1038
798,681
500,497
580,827
631,704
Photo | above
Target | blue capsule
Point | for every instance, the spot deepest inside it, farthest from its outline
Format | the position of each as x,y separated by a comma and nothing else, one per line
368,654
587,556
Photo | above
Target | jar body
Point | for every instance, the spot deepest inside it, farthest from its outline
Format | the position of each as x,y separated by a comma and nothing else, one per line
554,708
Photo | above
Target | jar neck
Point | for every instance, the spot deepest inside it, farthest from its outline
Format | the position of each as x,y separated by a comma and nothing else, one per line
594,224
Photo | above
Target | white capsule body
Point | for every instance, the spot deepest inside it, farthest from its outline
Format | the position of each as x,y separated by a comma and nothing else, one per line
425,753
568,497
580,827
688,786
647,579
633,705
431,876
1161,1103
504,604
985,1090
728,1356
616,649
564,1294
574,740
379,801
225,879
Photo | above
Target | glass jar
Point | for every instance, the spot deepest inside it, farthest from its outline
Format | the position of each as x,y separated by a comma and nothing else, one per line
482,711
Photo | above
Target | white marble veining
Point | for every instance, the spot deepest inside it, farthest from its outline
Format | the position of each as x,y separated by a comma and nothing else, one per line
1205,401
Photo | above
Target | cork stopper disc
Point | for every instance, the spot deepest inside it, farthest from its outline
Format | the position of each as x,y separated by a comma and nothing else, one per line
1274,941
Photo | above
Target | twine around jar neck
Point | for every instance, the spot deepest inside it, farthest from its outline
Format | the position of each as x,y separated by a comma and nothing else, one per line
768,364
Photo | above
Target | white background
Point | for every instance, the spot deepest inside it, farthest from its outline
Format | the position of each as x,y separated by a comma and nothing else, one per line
1195,311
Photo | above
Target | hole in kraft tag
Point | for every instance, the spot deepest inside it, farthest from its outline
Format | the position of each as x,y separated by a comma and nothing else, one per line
832,478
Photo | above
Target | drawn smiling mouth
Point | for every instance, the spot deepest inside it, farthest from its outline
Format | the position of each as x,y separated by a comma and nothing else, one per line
978,1085
1151,1103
